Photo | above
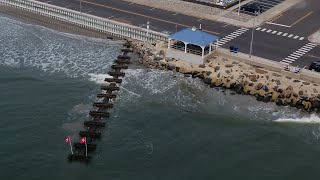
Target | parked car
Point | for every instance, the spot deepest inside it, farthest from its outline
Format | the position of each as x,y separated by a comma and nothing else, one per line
315,66
251,8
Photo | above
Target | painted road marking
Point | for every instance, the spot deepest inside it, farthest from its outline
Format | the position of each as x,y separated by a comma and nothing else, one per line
152,9
175,14
146,16
302,18
231,36
199,19
110,17
286,61
300,52
281,33
258,28
131,3
276,24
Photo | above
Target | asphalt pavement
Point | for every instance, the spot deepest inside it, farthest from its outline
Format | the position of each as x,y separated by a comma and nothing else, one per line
301,19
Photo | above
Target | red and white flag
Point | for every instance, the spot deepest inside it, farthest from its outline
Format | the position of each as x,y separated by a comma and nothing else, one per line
67,139
83,140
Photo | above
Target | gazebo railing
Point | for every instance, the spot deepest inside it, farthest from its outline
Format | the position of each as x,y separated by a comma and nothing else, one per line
199,53
189,50
177,47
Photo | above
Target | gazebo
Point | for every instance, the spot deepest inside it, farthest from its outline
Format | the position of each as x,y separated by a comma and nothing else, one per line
191,44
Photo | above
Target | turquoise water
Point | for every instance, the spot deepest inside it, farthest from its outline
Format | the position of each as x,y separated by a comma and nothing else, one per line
163,125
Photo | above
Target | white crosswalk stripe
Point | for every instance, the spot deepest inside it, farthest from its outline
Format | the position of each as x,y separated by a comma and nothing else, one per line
231,36
300,52
278,33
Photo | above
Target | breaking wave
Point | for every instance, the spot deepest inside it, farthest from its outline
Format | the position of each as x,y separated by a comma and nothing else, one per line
313,118
53,51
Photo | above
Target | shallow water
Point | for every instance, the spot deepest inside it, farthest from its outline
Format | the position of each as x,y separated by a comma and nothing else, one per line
163,125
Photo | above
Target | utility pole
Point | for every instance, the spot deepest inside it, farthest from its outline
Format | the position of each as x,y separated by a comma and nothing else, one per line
148,23
251,43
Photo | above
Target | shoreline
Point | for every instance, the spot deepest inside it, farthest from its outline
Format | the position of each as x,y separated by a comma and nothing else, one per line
265,85
219,71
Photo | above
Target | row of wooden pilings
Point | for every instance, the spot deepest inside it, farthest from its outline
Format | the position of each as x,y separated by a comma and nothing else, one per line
94,126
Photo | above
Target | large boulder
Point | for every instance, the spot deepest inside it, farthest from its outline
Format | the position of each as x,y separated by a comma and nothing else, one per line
217,68
259,86
238,88
267,99
207,80
171,67
260,98
253,77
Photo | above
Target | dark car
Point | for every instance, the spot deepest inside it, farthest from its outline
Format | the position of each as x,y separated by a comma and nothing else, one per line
315,66
251,8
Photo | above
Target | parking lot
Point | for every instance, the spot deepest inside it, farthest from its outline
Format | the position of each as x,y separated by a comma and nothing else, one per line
264,4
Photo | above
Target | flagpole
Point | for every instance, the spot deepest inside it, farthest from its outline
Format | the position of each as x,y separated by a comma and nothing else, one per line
70,145
86,146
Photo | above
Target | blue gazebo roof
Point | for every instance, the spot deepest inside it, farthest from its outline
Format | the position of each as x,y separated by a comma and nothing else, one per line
194,36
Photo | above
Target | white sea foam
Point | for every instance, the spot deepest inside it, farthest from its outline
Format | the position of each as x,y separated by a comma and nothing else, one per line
98,78
313,118
52,51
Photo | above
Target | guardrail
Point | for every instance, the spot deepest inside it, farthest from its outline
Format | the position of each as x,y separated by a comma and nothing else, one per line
114,28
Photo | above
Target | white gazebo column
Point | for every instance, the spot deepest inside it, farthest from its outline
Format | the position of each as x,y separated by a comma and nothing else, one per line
185,47
217,42
169,43
202,51
210,47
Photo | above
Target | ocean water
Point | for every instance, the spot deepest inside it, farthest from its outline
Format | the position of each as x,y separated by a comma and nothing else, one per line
163,125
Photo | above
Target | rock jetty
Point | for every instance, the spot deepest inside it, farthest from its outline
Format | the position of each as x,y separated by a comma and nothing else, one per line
265,85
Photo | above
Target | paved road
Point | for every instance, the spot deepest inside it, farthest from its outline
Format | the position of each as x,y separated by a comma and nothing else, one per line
267,45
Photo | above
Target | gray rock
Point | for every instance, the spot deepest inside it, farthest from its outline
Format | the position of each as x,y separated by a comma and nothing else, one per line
158,58
217,68
171,67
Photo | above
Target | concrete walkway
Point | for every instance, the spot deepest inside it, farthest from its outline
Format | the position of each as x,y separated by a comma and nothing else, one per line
315,37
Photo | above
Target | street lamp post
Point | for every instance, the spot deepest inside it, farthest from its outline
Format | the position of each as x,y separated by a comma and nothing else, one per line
148,26
251,43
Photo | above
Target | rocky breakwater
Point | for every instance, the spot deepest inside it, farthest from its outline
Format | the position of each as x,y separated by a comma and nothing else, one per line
265,85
